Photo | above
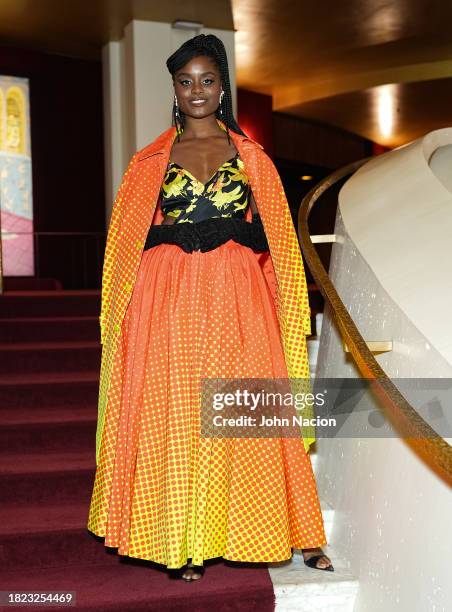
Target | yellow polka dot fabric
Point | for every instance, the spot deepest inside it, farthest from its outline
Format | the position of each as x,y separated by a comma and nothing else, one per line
162,492
134,211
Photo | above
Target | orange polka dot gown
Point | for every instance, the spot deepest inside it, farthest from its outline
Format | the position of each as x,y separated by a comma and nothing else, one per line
162,492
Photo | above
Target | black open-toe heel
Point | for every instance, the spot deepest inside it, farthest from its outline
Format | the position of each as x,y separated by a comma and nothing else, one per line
312,562
199,569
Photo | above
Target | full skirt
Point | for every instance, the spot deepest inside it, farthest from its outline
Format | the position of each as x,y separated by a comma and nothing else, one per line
163,492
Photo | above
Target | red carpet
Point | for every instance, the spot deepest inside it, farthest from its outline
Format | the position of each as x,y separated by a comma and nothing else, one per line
49,364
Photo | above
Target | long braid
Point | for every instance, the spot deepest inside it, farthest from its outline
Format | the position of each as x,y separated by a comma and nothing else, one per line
212,46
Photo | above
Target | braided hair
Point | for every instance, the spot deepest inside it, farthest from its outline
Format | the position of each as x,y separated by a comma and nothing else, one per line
210,45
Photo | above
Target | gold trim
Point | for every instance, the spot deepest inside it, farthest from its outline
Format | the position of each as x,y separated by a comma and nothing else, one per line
375,346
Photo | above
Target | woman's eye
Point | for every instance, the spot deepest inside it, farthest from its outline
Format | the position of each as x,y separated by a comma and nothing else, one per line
185,81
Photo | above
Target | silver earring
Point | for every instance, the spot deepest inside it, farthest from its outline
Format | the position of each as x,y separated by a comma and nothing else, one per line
221,99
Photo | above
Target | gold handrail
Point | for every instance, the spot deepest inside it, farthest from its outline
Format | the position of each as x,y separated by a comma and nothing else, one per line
412,428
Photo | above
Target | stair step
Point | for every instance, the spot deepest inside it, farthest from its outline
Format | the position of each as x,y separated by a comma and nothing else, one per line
48,436
132,585
45,528
50,357
69,545
299,588
53,389
314,461
47,415
41,518
35,463
53,329
328,518
15,304
30,283
40,478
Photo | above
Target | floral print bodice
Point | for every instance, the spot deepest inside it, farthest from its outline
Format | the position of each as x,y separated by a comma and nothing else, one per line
225,194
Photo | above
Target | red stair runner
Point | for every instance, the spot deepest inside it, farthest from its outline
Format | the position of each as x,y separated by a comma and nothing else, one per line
49,371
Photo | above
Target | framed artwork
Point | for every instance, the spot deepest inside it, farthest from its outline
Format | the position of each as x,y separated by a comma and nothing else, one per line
16,197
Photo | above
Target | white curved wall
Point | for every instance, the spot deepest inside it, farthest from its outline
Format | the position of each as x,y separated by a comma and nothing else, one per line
392,514
399,215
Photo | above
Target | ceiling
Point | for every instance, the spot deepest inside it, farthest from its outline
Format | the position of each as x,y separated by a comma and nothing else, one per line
379,68
329,61
388,114
82,27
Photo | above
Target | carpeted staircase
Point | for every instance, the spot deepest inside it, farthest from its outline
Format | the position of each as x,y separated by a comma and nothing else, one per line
49,371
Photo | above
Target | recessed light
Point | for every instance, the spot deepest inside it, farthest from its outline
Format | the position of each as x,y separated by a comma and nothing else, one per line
187,25
306,177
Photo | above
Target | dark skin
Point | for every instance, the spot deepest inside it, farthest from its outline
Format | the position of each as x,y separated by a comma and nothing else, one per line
203,147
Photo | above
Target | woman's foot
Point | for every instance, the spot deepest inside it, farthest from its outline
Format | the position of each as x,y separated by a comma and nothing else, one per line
322,562
193,572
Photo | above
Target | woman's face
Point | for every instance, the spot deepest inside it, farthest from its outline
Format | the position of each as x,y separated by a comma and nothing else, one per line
198,80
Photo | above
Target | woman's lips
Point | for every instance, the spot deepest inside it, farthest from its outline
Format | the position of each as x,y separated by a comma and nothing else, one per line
198,102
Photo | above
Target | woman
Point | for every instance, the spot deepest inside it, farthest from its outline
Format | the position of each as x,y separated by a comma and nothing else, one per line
196,300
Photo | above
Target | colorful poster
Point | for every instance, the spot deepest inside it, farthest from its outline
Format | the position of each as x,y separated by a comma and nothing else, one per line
16,203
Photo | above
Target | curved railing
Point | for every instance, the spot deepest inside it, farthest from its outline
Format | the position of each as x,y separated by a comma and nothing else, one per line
424,440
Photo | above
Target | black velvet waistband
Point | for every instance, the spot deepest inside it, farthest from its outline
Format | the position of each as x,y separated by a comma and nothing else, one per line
209,234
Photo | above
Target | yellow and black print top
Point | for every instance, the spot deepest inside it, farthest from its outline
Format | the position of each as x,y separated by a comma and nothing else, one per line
207,215
226,193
